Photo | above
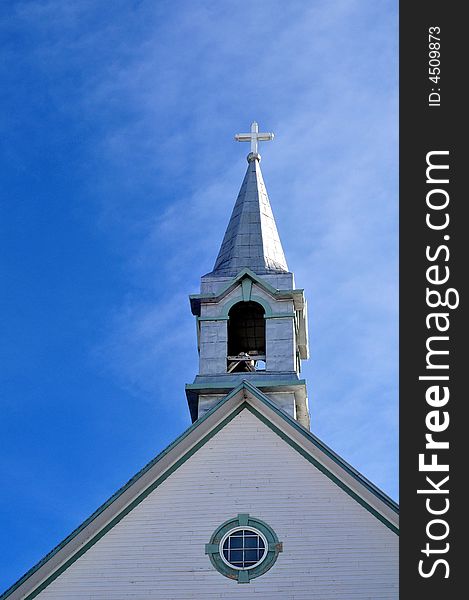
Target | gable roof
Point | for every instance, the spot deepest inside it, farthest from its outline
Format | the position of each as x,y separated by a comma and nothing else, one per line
245,397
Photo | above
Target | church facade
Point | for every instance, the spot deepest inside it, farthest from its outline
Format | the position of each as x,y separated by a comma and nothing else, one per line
246,503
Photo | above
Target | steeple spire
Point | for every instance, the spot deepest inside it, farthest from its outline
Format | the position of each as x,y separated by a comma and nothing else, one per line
251,240
251,320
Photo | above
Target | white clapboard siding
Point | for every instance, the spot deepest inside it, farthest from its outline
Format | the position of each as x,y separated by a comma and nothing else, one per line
333,547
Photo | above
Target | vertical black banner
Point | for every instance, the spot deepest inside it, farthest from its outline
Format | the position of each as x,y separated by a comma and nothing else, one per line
433,253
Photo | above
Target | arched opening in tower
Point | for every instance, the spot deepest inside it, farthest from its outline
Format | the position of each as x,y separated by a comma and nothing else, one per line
246,338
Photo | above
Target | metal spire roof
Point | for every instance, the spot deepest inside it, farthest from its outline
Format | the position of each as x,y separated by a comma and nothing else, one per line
251,240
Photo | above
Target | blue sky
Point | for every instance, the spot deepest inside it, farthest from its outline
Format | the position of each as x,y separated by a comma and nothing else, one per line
118,176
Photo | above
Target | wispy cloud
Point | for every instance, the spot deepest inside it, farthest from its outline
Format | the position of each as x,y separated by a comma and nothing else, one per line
161,90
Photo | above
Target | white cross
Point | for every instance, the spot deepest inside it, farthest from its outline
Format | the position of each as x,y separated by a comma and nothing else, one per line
254,137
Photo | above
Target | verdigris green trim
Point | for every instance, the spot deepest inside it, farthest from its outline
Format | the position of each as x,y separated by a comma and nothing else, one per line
243,576
197,299
262,302
284,293
229,305
126,510
322,446
265,400
267,315
213,318
246,287
274,547
243,518
247,273
323,469
242,275
261,383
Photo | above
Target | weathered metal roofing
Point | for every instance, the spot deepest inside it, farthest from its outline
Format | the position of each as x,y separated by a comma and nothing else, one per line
251,240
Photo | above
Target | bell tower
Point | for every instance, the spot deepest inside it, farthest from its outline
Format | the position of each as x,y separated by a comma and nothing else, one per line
251,321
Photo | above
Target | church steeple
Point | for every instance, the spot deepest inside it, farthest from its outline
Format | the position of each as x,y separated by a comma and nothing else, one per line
251,240
251,321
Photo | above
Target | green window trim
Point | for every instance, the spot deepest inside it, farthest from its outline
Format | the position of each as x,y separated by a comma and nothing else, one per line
253,298
213,548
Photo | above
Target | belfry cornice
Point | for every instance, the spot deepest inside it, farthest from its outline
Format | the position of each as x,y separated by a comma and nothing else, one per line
297,295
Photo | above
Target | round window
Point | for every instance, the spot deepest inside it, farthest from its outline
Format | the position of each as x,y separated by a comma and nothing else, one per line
243,548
